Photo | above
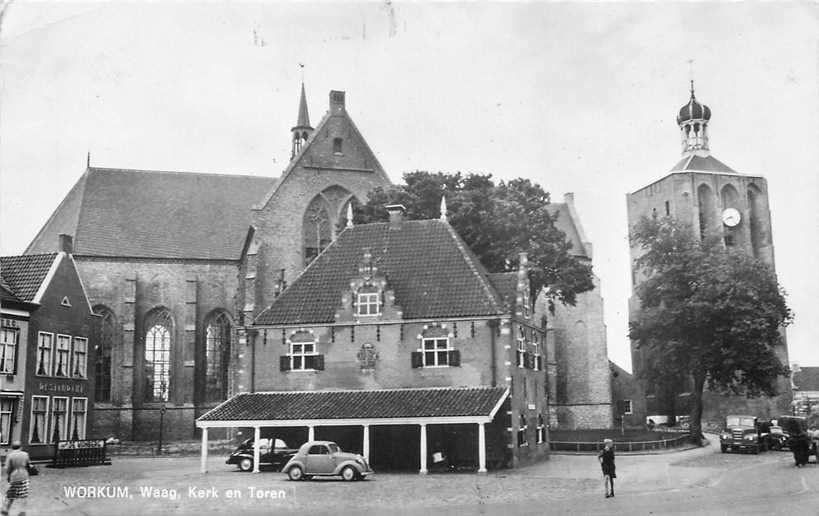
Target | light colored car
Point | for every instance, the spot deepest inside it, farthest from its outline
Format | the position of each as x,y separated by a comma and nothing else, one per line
325,458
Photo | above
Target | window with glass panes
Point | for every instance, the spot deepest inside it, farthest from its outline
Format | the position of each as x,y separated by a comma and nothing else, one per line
157,362
45,343
79,408
8,350
38,428
521,350
79,362
522,431
102,379
59,418
217,348
368,303
436,352
300,353
6,411
61,355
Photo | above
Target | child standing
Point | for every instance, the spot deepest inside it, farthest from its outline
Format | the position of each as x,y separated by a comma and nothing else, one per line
606,458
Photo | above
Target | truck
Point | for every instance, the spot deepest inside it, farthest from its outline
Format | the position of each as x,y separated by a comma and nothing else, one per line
742,433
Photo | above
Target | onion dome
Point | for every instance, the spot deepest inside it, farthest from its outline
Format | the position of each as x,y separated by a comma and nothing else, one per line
693,110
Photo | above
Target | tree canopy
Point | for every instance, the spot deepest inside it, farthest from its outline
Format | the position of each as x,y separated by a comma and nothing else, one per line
707,312
497,222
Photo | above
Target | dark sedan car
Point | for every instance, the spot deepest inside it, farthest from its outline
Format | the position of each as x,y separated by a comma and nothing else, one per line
273,452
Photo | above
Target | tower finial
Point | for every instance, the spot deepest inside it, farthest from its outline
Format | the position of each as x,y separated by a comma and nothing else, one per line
350,214
443,206
88,160
691,75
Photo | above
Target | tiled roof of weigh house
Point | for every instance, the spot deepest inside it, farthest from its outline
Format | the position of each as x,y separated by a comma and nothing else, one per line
506,285
359,404
427,265
23,275
153,214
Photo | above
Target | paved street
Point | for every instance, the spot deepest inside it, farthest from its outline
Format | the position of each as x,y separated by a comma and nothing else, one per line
700,481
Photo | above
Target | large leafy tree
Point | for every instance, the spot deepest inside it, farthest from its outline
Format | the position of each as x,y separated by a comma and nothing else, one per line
497,221
712,314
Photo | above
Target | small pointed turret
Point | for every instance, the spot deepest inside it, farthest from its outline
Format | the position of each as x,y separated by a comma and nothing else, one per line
303,129
349,214
443,207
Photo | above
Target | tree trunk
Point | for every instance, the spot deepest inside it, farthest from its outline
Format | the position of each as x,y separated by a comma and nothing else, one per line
696,407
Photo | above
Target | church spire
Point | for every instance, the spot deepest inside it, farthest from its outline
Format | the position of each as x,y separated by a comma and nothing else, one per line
302,130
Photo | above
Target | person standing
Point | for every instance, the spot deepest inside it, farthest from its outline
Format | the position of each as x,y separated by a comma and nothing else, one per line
606,458
17,463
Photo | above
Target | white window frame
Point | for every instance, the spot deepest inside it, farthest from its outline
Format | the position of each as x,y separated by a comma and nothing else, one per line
43,432
63,428
522,439
298,355
521,348
79,359
541,429
61,338
6,417
44,359
630,407
536,354
81,429
8,349
435,350
370,301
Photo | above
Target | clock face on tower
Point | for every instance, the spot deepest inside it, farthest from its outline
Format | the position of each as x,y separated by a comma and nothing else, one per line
730,217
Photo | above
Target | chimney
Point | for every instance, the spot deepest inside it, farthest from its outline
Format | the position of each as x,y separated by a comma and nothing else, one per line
336,102
396,212
66,243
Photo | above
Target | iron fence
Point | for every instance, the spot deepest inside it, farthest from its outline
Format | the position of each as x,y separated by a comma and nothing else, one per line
623,446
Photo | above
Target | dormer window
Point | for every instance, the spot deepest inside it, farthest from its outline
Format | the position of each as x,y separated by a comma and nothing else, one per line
368,303
337,148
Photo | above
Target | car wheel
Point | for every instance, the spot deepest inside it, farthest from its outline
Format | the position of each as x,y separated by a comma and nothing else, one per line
777,445
295,473
755,450
723,448
246,464
349,473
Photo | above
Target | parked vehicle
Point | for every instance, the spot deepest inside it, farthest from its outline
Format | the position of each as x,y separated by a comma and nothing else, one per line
775,437
273,452
325,458
742,433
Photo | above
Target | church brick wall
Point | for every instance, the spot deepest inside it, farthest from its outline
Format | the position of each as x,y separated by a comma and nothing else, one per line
190,290
583,389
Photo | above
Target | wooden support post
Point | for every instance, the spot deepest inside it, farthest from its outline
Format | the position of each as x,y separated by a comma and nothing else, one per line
366,444
204,449
481,447
311,433
257,444
423,470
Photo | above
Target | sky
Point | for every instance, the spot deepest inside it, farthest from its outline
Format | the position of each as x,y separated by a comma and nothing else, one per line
578,97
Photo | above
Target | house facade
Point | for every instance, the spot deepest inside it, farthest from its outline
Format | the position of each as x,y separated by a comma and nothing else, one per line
401,311
48,388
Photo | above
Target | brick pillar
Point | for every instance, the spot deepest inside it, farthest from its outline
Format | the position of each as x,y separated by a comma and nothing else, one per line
125,388
184,389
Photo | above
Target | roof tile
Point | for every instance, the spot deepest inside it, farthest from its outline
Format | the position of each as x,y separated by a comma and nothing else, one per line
24,274
360,404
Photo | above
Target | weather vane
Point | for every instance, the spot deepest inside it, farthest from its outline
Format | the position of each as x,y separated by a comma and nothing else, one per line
691,74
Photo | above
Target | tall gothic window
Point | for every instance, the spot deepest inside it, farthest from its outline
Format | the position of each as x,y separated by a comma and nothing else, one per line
158,340
217,352
105,344
317,229
707,210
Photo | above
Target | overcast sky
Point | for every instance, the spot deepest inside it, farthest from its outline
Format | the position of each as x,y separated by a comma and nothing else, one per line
578,97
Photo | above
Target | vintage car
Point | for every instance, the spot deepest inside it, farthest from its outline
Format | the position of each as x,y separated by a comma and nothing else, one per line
325,458
273,452
742,433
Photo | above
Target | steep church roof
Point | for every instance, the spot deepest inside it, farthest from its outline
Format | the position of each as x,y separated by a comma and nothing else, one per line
154,214
427,265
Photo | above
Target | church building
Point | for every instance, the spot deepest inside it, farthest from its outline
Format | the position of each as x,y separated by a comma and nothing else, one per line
718,201
179,265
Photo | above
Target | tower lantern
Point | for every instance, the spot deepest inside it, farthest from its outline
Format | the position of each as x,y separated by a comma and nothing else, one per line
693,120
